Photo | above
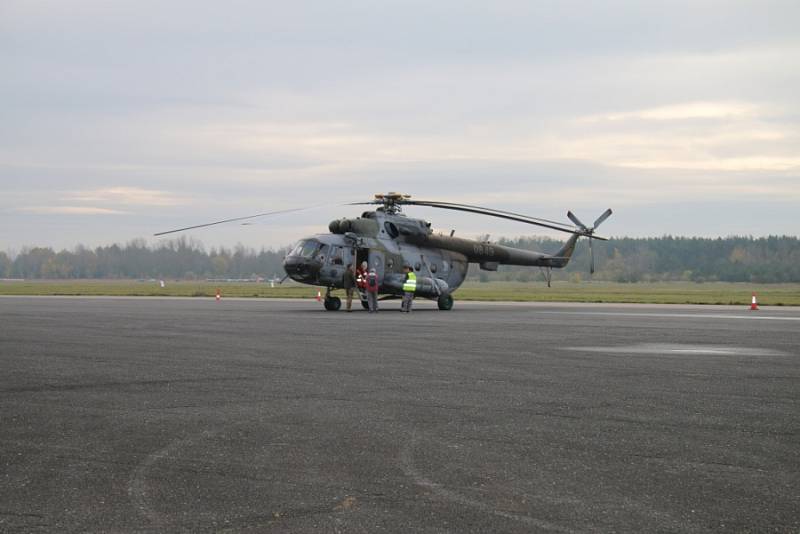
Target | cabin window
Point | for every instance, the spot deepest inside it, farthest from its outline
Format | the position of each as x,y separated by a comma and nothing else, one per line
417,267
336,255
391,229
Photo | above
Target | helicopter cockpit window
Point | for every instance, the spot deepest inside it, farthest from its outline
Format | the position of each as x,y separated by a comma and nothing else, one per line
434,268
306,249
323,252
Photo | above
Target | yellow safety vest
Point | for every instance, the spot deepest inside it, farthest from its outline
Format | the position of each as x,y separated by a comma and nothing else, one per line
410,285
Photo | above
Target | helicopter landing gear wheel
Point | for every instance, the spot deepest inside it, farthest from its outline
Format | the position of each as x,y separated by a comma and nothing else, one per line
333,303
445,302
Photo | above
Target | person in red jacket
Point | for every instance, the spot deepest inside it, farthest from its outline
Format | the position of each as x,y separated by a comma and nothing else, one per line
361,275
361,281
372,291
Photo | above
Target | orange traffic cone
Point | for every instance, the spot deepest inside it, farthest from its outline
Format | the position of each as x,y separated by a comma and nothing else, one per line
218,295
319,296
754,303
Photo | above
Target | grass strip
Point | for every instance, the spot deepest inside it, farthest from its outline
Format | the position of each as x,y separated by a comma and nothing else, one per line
645,293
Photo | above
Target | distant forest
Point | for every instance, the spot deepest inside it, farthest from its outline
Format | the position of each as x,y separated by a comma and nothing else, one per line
732,259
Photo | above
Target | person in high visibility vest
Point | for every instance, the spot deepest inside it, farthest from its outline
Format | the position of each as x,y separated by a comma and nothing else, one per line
409,288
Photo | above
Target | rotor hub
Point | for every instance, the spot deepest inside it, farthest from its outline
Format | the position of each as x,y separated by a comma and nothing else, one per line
391,201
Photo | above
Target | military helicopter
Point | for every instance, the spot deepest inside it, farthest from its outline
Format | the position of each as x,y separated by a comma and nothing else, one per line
388,240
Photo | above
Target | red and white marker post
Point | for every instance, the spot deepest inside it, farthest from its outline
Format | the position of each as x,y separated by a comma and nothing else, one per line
754,303
219,296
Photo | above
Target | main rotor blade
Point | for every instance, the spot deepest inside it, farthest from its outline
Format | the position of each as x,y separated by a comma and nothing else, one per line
519,218
277,212
554,225
436,203
606,214
480,209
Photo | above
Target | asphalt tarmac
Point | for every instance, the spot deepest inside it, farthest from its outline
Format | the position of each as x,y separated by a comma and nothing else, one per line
154,415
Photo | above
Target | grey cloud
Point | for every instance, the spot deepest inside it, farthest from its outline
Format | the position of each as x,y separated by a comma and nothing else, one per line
243,105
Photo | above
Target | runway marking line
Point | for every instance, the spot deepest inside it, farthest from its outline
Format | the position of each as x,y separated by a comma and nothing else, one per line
676,315
672,348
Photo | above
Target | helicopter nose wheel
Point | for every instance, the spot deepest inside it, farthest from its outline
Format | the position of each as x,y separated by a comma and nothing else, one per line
445,301
333,303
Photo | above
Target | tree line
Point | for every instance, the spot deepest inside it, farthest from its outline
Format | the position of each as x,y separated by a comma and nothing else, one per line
176,259
732,259
773,259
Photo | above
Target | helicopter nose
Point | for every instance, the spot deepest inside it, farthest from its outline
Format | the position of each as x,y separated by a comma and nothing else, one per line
299,269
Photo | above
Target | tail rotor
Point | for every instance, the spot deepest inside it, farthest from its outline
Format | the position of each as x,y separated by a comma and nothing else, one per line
589,231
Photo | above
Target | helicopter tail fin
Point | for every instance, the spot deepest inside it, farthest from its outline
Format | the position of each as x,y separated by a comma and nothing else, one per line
562,257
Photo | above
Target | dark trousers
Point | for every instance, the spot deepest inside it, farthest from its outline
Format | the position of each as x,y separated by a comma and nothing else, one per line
408,298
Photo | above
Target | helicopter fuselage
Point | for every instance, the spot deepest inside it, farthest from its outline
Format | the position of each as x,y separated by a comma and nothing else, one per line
388,241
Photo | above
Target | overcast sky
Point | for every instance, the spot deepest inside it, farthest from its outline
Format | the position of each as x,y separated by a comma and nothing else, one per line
121,119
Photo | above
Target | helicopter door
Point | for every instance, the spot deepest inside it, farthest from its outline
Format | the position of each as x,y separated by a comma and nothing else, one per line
361,256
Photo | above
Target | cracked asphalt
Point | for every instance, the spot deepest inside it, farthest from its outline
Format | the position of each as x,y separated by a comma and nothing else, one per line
153,415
